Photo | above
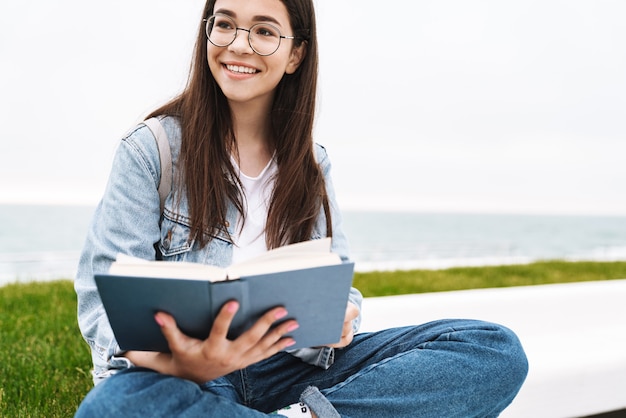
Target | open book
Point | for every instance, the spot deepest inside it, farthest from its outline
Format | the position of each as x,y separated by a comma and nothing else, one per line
311,282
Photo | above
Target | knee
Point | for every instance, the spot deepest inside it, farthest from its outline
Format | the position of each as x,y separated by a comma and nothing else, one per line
138,392
515,351
508,360
498,363
494,350
95,404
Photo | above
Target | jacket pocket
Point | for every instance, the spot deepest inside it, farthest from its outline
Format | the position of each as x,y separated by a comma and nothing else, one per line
175,240
176,243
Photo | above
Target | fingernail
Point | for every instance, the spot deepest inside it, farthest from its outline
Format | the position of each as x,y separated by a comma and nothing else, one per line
290,343
293,327
281,313
159,320
232,307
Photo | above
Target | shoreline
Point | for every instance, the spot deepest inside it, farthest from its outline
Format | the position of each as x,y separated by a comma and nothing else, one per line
31,249
65,268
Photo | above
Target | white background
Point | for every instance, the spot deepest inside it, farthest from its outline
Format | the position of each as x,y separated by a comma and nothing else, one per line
488,106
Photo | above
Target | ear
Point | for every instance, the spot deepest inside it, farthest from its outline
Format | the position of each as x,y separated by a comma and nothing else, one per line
297,55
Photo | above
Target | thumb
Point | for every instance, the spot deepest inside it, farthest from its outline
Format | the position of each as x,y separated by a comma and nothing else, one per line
352,312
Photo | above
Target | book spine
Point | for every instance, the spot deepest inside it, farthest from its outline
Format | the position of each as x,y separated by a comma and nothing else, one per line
224,291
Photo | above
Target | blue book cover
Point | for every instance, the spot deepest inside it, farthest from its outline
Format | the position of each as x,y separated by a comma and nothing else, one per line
315,296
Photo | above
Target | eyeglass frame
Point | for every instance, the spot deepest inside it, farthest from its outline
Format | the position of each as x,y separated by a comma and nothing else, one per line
280,36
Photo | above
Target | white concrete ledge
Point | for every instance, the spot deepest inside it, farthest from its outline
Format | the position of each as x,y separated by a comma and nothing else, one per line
574,336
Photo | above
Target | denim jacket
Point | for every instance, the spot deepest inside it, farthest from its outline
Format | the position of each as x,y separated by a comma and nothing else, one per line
128,220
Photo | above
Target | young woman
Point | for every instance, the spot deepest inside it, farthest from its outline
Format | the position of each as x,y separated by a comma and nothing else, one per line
248,177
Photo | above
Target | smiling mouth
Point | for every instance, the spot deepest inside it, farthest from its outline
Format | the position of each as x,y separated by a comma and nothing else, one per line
241,69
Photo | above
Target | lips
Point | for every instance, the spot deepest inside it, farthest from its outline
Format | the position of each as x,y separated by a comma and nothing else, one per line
240,69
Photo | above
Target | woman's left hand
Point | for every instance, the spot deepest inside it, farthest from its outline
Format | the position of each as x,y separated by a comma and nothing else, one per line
347,334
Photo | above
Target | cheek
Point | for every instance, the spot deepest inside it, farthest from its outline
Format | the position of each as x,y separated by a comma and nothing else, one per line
280,63
212,62
209,56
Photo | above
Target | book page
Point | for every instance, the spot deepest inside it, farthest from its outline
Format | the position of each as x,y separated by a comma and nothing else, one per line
131,266
300,249
285,263
302,255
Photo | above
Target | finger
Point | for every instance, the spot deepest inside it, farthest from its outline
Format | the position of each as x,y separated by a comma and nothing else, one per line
224,318
273,341
261,327
176,340
277,337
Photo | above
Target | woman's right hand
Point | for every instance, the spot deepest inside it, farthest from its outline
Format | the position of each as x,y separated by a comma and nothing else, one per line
202,361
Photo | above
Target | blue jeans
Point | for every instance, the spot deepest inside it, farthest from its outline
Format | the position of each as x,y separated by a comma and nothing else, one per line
448,368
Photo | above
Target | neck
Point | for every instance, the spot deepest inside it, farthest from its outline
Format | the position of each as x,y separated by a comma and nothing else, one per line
251,126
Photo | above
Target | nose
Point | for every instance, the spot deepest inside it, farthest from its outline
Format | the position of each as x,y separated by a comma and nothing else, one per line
241,43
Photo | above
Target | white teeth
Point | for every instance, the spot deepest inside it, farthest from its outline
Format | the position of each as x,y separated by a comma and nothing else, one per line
241,69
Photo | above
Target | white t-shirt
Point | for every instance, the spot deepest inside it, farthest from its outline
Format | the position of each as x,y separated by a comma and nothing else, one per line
257,191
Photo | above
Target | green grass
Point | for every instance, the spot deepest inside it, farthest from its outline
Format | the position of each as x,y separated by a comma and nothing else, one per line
545,272
44,363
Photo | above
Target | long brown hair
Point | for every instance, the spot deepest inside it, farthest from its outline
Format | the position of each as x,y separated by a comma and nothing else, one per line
208,176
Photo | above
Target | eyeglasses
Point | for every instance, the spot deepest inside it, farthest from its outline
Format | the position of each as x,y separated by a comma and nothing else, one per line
264,39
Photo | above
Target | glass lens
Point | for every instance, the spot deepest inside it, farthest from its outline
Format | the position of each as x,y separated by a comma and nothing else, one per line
264,38
221,30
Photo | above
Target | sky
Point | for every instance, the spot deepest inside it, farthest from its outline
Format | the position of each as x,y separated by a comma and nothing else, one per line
514,106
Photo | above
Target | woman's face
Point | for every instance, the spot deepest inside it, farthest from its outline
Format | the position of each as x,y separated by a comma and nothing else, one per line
243,75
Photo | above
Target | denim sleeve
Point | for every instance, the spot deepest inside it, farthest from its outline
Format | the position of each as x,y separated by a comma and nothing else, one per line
125,221
324,357
339,241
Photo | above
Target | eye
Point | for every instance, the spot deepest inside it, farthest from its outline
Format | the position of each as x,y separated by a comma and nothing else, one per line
223,23
266,30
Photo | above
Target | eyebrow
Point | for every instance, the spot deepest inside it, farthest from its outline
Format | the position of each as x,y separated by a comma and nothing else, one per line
258,18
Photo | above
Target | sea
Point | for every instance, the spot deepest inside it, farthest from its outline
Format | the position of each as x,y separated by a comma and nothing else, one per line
39,242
